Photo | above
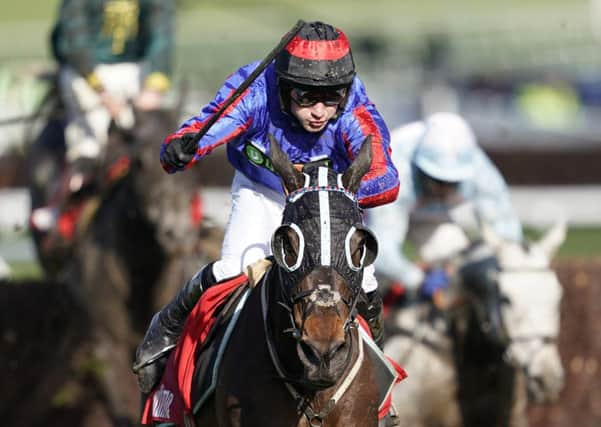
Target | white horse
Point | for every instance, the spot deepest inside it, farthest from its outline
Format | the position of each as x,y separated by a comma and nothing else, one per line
426,341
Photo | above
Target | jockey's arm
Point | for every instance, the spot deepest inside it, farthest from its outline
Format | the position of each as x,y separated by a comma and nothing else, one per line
380,185
233,123
390,224
493,204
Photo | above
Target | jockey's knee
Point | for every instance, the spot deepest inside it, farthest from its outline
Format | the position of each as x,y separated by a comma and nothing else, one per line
225,268
232,266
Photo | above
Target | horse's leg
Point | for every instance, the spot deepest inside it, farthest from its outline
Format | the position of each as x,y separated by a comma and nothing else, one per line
406,395
103,290
428,397
518,415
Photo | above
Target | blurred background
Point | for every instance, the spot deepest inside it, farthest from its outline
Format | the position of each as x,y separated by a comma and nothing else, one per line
525,73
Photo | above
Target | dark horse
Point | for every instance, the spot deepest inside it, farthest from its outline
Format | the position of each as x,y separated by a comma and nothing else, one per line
481,341
137,251
296,356
140,239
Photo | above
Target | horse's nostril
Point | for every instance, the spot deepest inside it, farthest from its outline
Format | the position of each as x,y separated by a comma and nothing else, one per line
310,352
335,348
316,355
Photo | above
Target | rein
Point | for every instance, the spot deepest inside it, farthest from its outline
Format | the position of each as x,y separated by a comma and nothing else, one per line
303,404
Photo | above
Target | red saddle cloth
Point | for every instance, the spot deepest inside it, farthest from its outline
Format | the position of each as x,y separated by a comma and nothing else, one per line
170,399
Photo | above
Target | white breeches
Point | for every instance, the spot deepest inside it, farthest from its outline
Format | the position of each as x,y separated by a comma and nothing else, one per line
255,214
88,120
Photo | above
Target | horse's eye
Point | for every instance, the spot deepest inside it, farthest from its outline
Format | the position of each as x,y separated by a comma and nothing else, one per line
290,247
361,248
358,253
287,246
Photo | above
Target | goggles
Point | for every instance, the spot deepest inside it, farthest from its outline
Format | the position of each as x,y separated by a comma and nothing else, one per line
309,97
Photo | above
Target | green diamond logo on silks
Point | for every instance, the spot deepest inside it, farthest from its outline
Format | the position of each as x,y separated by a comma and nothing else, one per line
257,157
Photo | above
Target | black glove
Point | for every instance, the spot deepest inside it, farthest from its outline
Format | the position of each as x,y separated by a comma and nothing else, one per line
180,151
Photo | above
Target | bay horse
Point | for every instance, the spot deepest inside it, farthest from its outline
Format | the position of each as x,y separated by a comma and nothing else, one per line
479,355
296,357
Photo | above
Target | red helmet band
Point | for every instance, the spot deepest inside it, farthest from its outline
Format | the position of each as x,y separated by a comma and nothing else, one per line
316,50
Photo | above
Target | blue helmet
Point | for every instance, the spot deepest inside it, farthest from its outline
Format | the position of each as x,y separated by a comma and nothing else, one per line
447,148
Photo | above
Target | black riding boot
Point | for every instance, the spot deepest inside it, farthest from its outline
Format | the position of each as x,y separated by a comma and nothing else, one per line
166,327
371,311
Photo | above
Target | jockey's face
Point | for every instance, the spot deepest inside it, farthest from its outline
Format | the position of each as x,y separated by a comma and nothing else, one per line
315,108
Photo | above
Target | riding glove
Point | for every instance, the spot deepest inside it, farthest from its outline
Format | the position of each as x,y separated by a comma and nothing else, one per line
436,279
180,151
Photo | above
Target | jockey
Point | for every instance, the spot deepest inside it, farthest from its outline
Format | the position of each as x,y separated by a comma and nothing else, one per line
445,176
111,54
311,101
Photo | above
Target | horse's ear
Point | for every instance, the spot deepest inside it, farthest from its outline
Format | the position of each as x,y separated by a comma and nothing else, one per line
293,179
553,238
351,179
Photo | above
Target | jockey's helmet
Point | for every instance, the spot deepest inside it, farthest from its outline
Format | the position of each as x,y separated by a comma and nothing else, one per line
447,149
318,56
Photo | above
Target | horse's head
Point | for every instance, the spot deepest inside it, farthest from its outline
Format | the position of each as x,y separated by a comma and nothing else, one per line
169,203
321,249
531,314
479,274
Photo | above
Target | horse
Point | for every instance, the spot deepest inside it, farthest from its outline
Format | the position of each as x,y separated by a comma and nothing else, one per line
297,356
138,238
478,355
